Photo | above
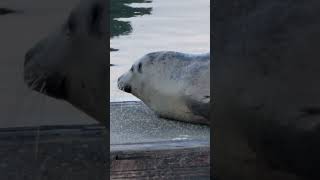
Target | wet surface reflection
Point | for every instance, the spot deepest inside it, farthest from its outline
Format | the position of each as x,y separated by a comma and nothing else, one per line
142,26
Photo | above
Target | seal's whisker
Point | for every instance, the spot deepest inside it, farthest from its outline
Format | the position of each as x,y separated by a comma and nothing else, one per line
35,83
42,87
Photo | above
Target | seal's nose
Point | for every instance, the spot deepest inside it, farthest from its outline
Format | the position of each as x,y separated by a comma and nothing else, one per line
124,86
119,79
36,50
28,56
120,85
32,53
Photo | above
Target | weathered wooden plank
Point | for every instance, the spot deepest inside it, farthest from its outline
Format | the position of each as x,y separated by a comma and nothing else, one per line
79,152
187,159
51,153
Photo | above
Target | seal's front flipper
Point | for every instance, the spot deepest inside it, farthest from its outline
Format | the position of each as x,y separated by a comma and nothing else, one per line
200,107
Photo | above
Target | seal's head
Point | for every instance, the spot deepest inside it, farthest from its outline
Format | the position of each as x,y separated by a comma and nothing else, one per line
145,76
71,62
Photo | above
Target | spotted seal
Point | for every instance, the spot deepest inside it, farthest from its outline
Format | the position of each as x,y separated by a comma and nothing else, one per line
175,85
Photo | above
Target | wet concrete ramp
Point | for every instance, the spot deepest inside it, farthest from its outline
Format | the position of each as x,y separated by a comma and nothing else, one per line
145,146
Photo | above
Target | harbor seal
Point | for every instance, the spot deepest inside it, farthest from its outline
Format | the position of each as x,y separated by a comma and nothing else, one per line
175,85
71,63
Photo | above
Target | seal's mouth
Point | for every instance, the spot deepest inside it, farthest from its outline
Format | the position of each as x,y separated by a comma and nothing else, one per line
125,88
53,85
41,79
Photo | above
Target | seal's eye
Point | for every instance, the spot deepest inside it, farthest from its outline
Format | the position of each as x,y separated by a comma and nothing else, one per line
140,68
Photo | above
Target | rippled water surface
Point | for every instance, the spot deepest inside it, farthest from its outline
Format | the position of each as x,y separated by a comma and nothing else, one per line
142,26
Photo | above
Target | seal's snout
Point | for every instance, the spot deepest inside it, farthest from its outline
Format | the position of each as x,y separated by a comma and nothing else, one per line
123,86
33,52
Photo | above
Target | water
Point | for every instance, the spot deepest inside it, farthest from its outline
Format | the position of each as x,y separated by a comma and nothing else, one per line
142,26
